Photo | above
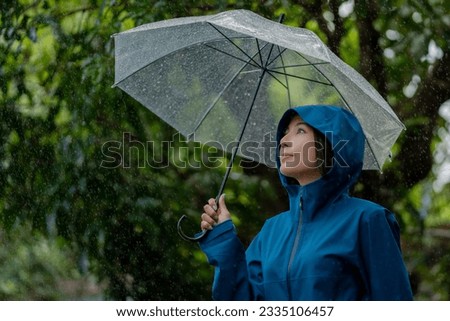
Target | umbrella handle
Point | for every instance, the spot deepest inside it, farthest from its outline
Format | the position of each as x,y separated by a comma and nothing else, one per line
189,238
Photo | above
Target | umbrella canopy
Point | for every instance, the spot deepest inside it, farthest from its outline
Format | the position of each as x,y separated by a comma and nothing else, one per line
207,76
227,79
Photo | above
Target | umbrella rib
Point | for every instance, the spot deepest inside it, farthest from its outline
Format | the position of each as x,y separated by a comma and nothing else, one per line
301,65
345,102
330,82
268,71
276,57
228,54
287,82
220,94
303,78
259,51
270,53
239,48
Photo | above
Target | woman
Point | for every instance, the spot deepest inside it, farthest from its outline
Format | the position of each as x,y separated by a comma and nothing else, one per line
328,245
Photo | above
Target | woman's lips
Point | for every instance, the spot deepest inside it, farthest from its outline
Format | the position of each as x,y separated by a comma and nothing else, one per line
285,156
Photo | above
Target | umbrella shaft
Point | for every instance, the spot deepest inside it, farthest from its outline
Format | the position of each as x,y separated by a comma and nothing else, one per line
234,152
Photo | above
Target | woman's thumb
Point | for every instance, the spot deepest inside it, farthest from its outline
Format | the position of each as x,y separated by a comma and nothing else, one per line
224,213
222,202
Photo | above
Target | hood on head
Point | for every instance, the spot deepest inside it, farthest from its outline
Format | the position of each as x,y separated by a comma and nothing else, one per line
346,137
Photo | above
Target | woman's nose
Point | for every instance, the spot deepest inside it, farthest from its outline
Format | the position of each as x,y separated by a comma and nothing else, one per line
284,142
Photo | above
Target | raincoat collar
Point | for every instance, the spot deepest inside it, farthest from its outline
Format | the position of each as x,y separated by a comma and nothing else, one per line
346,137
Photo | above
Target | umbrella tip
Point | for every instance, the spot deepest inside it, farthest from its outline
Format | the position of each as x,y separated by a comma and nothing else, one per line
281,18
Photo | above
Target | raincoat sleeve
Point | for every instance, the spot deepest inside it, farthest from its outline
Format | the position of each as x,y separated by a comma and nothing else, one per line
226,253
386,274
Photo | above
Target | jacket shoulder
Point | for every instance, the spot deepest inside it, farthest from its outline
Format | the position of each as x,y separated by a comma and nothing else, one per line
366,207
370,212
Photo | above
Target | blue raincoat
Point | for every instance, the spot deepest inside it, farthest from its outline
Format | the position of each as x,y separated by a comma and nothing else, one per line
328,246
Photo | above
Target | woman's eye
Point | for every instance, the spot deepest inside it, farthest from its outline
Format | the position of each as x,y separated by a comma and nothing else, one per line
300,131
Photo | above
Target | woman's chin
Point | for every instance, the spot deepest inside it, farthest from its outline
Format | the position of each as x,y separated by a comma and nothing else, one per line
288,172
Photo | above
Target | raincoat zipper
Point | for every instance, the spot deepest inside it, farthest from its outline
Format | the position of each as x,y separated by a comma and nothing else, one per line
294,249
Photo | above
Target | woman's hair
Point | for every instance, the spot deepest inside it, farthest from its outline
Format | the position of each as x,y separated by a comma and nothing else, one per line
324,153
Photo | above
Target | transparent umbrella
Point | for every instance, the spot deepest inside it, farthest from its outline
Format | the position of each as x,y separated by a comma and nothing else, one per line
228,78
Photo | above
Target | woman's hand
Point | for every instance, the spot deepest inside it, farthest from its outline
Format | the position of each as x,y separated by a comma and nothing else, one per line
213,215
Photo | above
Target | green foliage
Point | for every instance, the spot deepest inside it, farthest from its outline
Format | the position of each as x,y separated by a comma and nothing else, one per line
34,267
60,115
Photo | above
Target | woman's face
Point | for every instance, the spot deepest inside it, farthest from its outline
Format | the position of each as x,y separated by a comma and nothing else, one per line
298,152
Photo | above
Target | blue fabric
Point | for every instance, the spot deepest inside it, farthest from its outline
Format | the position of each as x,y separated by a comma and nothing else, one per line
327,246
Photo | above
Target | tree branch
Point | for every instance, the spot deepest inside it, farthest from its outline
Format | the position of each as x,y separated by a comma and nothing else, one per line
416,155
315,11
335,39
371,54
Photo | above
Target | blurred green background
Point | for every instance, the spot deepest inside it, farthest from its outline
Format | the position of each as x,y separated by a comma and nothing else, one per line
73,229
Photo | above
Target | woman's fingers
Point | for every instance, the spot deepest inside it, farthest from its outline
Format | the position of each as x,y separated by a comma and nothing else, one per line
213,215
212,203
209,209
205,226
208,219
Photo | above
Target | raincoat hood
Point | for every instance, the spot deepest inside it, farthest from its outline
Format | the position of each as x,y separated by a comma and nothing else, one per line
346,137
